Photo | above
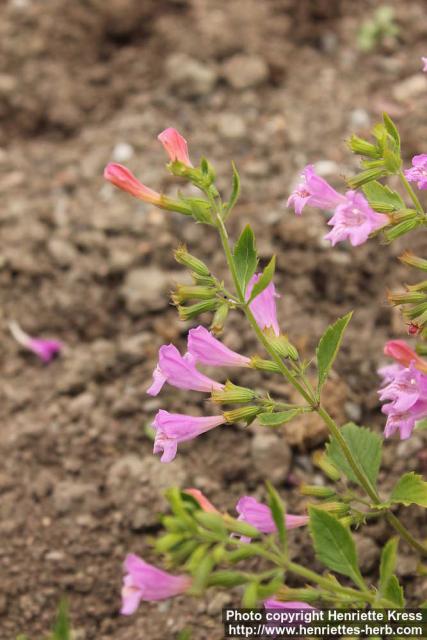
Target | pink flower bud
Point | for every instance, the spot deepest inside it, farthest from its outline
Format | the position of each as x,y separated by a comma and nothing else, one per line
143,581
210,351
202,500
264,306
175,146
46,350
404,355
173,428
124,179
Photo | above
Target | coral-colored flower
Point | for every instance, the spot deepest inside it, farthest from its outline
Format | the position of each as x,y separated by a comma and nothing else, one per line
124,179
173,428
259,516
180,371
404,355
175,146
418,171
313,191
354,220
143,581
264,306
203,501
46,350
210,351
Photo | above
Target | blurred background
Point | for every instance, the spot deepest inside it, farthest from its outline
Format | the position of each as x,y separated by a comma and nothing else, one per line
273,85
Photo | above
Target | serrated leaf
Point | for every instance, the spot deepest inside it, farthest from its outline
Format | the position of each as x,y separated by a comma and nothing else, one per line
394,592
245,257
389,586
379,194
264,280
328,347
365,447
410,489
334,545
278,513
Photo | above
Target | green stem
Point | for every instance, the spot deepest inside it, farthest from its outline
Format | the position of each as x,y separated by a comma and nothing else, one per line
299,570
310,397
411,193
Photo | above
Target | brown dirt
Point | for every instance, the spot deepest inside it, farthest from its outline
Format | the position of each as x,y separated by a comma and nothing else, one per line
78,80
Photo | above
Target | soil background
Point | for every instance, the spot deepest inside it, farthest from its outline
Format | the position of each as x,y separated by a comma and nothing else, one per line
273,85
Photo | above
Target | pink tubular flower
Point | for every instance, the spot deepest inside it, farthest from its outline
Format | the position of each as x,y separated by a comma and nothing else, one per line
424,60
180,371
418,171
313,191
173,428
354,220
264,305
46,350
124,179
404,355
143,581
175,146
259,516
210,351
279,604
200,497
405,389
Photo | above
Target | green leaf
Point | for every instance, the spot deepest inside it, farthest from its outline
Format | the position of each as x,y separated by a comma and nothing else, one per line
235,189
365,447
389,586
245,257
213,522
264,280
201,574
62,629
410,489
329,344
278,512
334,545
382,197
276,419
391,129
250,596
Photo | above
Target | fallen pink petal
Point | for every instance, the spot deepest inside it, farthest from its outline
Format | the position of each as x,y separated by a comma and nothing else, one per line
44,348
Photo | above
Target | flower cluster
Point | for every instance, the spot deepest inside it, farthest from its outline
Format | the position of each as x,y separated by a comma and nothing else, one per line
353,218
404,389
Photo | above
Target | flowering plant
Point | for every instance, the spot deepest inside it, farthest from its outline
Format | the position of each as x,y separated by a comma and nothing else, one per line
205,547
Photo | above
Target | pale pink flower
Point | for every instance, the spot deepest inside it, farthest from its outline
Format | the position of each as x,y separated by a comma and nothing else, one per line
180,371
424,60
313,191
173,428
46,350
175,146
279,604
418,171
208,350
203,501
264,306
354,220
143,581
259,516
124,179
